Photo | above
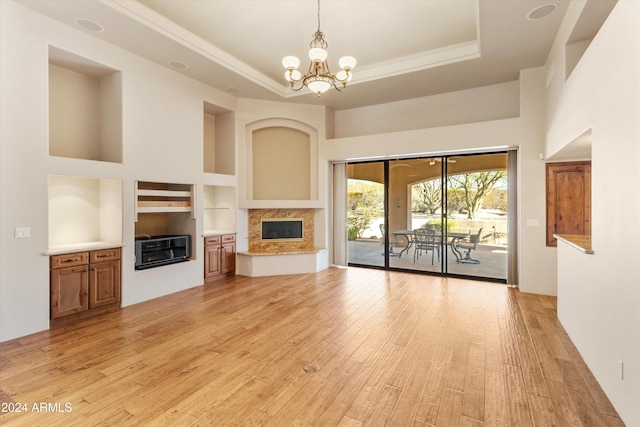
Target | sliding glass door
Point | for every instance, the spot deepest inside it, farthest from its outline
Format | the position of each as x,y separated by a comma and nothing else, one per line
476,206
443,215
415,196
366,214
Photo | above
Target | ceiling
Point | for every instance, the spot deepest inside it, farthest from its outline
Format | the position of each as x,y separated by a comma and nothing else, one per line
405,48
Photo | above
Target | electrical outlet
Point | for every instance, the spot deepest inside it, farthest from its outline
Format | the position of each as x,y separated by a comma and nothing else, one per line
22,232
620,369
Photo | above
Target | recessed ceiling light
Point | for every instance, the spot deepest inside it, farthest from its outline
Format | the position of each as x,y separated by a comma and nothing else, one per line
542,11
178,65
89,25
233,90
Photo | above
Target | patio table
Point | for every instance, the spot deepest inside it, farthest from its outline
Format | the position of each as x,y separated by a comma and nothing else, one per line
454,237
408,235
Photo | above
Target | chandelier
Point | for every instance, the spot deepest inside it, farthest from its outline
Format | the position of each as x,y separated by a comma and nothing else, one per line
318,78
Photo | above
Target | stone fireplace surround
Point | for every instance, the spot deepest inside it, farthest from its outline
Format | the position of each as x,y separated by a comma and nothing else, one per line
270,258
259,246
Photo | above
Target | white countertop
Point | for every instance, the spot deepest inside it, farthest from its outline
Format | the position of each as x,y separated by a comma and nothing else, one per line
80,247
209,233
579,242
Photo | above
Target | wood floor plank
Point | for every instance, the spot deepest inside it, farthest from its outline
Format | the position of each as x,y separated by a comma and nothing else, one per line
458,368
390,348
383,408
580,396
493,353
542,411
470,422
531,370
563,406
495,401
548,363
366,398
403,413
474,385
517,399
429,404
450,408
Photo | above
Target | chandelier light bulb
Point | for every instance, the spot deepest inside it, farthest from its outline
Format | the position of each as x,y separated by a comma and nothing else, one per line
347,62
343,76
290,62
318,86
317,54
292,75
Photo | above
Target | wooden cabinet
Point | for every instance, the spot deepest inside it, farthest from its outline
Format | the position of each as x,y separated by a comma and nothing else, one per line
220,257
104,277
228,254
82,281
69,284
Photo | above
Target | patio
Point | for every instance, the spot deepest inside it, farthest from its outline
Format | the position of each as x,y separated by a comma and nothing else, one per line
492,259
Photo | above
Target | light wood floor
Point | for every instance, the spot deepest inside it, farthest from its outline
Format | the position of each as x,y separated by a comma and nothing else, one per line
344,347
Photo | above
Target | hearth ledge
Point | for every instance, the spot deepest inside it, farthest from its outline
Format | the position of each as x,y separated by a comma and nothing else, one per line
258,264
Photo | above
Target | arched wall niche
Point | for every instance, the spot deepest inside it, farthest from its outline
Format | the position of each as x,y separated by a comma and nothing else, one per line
281,161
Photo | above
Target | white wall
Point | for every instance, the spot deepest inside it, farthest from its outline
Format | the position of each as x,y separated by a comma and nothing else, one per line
250,114
599,294
499,101
537,263
162,141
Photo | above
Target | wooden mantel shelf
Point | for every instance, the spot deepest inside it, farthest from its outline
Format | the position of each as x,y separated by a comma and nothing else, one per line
582,243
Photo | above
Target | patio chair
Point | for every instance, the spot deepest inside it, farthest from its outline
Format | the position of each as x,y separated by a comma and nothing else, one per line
393,242
470,244
425,240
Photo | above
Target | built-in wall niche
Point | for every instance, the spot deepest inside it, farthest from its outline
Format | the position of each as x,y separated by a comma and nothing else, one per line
84,210
591,18
219,140
219,208
165,209
85,108
282,165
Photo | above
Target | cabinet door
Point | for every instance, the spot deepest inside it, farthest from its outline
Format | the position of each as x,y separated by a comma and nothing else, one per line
69,290
212,265
228,257
104,283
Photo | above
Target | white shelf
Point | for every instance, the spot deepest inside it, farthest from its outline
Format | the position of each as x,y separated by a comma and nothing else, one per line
153,197
156,209
164,193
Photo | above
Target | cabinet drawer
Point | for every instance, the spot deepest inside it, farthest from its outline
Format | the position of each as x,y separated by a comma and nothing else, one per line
104,255
212,240
228,238
69,260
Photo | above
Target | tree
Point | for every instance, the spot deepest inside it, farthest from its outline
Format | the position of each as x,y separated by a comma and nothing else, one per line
473,187
364,201
428,195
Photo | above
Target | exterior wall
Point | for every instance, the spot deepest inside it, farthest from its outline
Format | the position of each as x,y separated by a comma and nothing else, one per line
599,294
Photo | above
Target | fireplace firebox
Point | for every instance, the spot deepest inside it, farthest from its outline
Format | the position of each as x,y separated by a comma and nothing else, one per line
278,229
